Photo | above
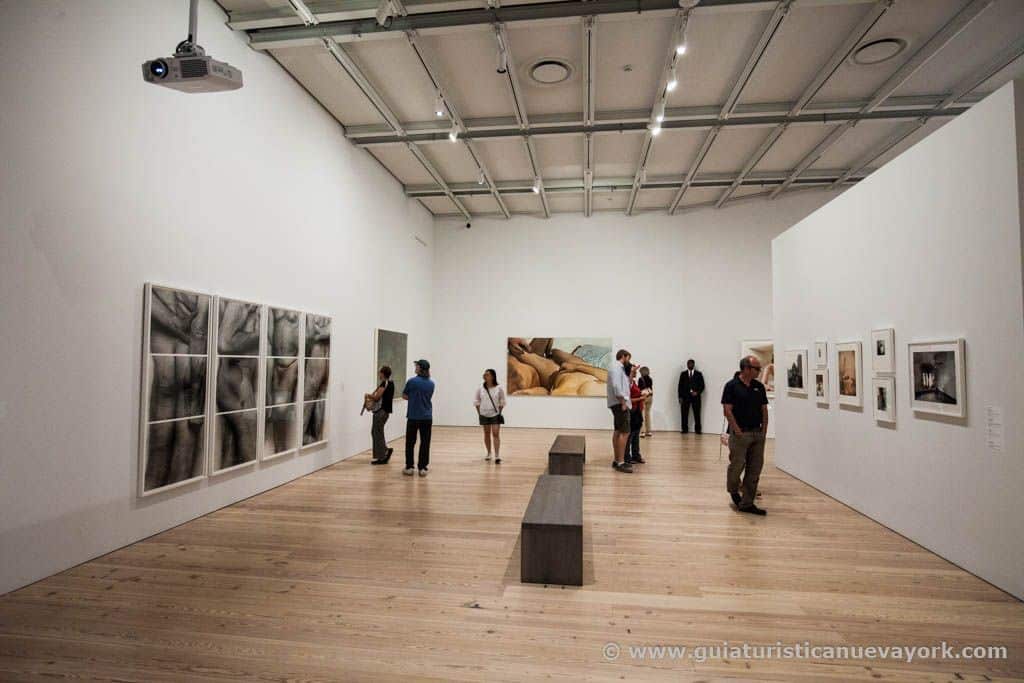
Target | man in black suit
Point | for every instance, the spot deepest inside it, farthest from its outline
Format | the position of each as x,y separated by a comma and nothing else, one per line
691,386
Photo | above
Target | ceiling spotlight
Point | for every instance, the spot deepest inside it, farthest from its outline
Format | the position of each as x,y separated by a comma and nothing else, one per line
655,129
439,106
643,176
536,186
300,8
453,134
481,179
385,12
659,112
672,80
681,49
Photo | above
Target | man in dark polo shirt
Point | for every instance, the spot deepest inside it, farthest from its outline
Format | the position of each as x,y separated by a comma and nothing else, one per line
745,403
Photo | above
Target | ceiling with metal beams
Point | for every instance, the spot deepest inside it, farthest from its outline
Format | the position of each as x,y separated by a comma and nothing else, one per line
504,107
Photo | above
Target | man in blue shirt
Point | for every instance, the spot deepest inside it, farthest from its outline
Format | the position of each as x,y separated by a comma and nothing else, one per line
418,392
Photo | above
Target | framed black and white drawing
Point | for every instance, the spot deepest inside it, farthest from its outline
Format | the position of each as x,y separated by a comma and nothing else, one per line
391,349
883,396
820,354
796,371
937,378
239,388
315,379
175,386
284,339
820,384
883,351
848,374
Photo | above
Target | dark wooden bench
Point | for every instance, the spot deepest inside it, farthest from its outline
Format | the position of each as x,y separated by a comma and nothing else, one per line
552,538
567,455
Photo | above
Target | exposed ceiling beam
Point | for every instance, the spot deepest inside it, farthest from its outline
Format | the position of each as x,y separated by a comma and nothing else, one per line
818,113
446,190
456,120
753,59
841,54
504,47
952,28
362,28
1005,57
623,183
589,108
709,122
656,115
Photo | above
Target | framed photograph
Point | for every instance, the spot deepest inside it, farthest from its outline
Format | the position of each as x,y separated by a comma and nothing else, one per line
566,367
937,378
820,384
848,374
883,351
316,368
883,396
391,349
176,384
764,351
796,372
820,354
238,395
281,369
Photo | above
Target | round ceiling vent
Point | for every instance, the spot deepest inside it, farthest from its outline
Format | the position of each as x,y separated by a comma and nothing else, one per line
550,71
878,51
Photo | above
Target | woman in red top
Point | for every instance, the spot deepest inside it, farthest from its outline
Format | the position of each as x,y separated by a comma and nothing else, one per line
636,418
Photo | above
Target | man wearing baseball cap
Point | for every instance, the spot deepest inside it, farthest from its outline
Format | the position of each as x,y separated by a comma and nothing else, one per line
420,417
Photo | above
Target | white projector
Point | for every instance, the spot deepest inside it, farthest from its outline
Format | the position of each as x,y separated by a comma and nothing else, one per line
192,73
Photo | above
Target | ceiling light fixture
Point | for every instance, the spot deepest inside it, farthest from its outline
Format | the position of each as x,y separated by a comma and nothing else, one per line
307,16
681,49
453,134
655,129
659,111
481,179
439,106
536,185
385,12
672,80
502,66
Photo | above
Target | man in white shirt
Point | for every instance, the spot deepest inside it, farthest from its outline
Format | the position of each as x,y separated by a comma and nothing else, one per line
620,405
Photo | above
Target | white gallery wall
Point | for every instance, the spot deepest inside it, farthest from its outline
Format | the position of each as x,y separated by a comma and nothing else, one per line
930,245
665,287
107,183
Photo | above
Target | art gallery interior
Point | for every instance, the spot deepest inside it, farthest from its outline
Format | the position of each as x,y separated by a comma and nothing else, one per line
197,290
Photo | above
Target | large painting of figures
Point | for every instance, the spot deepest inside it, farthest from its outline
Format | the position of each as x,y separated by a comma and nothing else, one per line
937,378
764,351
315,379
176,343
238,385
284,342
558,366
392,349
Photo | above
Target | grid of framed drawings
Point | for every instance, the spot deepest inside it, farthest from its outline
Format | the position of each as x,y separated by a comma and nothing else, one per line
221,385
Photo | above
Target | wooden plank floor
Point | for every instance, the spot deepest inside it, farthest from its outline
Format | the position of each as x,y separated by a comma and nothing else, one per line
358,573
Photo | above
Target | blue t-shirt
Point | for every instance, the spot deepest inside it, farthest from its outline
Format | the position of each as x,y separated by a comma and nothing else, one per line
419,390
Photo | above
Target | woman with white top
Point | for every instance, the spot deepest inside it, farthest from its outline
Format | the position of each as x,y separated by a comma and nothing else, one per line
489,402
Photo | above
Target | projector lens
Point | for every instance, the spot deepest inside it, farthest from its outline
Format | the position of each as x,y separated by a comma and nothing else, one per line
158,68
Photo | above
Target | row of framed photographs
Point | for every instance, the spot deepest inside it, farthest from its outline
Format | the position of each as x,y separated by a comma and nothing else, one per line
226,383
936,374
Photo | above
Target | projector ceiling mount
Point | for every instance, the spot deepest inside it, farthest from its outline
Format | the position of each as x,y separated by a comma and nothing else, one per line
190,70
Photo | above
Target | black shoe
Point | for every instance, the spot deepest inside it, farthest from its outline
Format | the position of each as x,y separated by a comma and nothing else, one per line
388,456
698,432
684,432
736,498
379,461
624,467
753,510
497,461
639,460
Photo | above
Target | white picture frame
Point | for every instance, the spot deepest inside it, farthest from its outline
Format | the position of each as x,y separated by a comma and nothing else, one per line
821,354
883,351
849,374
883,398
819,381
937,377
152,355
796,372
764,351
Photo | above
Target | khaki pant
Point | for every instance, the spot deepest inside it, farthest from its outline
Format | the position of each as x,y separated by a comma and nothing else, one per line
647,415
746,457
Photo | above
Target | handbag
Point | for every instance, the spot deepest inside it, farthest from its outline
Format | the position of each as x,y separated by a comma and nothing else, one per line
501,418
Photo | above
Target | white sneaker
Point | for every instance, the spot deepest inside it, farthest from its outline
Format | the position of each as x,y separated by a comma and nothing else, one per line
423,473
487,457
408,471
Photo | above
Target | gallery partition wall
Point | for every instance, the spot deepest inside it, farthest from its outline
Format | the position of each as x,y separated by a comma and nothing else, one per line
248,216
910,283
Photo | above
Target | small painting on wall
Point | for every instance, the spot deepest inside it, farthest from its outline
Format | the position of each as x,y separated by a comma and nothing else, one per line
883,351
796,371
937,381
821,386
820,354
883,391
849,374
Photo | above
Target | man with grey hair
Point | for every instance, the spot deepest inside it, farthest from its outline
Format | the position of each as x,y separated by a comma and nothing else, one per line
745,403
